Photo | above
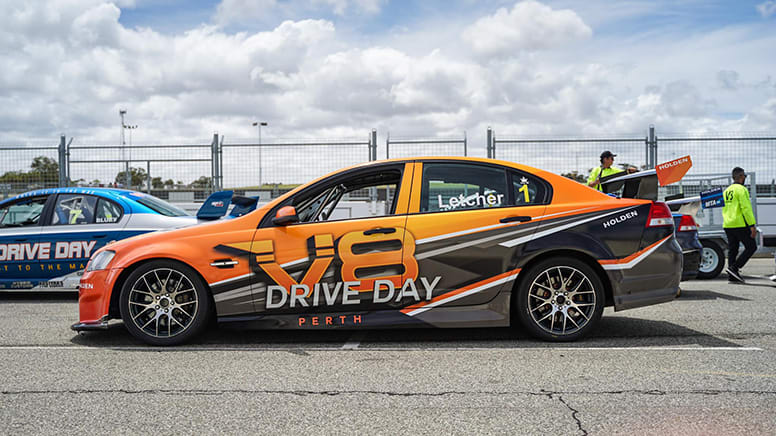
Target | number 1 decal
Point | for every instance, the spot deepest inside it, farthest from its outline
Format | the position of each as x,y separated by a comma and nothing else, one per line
524,190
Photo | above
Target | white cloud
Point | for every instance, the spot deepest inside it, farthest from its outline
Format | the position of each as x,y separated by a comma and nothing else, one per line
340,7
71,64
767,8
528,26
248,11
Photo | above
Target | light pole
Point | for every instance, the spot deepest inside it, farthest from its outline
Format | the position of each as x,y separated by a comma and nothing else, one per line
127,177
259,124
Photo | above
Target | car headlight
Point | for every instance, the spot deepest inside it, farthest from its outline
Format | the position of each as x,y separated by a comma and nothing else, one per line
100,261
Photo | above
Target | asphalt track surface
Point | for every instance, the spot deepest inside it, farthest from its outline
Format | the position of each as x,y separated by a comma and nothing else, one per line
702,364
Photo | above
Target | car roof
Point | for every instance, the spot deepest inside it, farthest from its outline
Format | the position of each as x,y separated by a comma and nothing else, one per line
112,193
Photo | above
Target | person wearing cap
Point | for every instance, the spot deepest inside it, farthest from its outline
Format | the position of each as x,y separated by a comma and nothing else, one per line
606,169
739,224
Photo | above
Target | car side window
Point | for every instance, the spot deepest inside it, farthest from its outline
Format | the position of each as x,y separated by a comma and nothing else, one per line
22,213
528,190
454,186
107,212
74,209
349,198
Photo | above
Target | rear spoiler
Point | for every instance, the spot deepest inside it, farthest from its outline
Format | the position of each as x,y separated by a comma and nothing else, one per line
218,203
644,184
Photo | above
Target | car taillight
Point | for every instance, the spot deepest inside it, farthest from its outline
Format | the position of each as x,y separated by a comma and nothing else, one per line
659,215
687,224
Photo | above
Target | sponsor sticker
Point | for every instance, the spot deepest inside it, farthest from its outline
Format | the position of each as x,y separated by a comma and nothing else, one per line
673,171
619,219
712,198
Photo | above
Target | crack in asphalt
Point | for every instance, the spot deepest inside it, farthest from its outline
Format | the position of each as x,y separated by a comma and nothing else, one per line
574,413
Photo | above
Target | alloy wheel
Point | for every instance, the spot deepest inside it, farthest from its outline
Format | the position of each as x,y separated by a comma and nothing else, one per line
561,300
163,303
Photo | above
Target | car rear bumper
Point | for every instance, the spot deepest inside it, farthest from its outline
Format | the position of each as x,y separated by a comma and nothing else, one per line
651,278
690,264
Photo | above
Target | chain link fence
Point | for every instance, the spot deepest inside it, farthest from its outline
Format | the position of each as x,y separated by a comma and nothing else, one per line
572,157
720,153
398,147
167,170
188,171
27,165
278,165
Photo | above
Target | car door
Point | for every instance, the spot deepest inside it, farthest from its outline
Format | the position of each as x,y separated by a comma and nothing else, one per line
80,224
332,259
20,245
460,214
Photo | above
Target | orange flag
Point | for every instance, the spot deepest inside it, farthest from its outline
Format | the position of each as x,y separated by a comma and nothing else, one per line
673,171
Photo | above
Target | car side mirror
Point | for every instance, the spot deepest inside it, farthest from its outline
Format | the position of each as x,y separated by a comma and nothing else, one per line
285,215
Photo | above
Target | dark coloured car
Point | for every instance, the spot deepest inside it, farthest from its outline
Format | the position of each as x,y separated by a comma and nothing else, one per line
686,233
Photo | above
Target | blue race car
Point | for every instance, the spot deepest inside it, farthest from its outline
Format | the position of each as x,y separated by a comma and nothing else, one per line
48,235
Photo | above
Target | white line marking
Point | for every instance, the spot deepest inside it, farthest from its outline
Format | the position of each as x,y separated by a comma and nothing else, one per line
354,341
296,348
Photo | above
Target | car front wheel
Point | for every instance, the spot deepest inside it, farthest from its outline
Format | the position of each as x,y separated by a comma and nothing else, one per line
164,303
559,299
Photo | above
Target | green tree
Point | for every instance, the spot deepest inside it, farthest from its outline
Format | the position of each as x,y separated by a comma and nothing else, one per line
43,169
156,183
574,175
137,177
45,166
201,183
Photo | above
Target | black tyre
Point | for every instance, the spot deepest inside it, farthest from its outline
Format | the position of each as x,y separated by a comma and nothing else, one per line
712,260
559,299
164,303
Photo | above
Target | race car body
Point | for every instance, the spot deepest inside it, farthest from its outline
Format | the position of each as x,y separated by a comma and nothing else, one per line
48,235
460,242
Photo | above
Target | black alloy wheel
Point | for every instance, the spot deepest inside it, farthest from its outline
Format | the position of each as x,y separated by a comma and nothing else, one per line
559,299
164,303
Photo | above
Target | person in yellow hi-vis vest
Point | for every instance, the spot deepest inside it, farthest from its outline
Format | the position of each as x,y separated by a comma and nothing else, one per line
739,224
607,160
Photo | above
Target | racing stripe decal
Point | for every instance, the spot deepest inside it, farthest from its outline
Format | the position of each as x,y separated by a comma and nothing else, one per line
537,235
634,259
493,226
474,288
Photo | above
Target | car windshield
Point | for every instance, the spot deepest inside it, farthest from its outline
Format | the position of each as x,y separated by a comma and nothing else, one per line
160,206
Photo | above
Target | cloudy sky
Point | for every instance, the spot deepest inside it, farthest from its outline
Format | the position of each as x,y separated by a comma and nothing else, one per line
338,68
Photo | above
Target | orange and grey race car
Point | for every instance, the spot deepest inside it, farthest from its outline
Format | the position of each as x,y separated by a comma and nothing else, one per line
449,242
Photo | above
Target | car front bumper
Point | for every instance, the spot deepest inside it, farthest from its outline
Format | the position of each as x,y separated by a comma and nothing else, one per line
94,296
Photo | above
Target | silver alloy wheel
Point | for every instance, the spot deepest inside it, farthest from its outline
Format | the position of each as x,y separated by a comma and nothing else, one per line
561,300
163,303
709,260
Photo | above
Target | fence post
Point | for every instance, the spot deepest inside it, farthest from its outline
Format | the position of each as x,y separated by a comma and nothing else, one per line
148,176
652,147
489,144
373,145
62,162
214,162
387,145
464,143
220,166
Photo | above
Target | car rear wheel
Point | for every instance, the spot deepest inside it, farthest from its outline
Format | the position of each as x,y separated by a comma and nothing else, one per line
164,303
560,299
712,260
